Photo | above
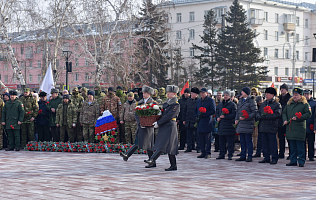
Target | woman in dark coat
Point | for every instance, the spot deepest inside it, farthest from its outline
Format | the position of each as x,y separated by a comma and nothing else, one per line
167,137
226,130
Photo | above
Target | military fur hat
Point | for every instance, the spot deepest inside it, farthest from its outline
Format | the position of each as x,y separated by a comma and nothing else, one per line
195,90
42,94
172,88
148,89
271,90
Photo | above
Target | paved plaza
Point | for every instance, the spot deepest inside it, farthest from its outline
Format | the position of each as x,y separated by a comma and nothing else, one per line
52,175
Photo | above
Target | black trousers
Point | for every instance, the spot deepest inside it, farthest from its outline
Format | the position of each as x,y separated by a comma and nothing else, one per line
281,133
216,143
310,139
270,146
183,135
43,133
226,142
205,142
55,133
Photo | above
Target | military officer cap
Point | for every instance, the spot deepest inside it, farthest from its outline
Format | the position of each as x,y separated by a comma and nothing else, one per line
54,90
91,93
298,91
75,89
130,94
42,94
148,89
26,89
66,96
172,88
308,92
119,88
111,89
13,92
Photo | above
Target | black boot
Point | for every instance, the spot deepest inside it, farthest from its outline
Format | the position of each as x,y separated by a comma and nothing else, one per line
173,163
150,153
129,152
153,158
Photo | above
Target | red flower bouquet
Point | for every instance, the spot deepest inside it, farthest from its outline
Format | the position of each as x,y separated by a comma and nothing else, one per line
244,115
225,111
202,110
298,115
266,110
40,111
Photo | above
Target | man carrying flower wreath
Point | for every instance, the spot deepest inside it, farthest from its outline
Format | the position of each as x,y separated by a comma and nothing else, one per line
225,115
268,115
294,115
244,122
144,135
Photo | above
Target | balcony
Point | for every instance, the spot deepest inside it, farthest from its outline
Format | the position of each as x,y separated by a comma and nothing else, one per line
289,26
256,21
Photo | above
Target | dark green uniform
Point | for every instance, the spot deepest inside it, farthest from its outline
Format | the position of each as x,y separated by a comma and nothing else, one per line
66,117
53,103
77,101
1,130
12,113
27,127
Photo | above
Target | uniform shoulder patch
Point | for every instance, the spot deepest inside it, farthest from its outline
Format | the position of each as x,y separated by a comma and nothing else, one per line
310,109
174,108
22,105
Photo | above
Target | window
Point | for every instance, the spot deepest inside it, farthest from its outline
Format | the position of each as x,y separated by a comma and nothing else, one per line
5,66
76,62
38,51
266,16
191,52
179,18
22,50
76,47
297,55
192,17
276,33
289,18
265,51
21,65
31,78
297,38
276,18
76,76
219,12
192,34
38,64
276,53
297,21
39,77
286,71
6,78
287,54
86,62
266,34
57,63
306,56
29,52
86,77
66,46
178,37
306,40
287,37
30,64
306,23
276,71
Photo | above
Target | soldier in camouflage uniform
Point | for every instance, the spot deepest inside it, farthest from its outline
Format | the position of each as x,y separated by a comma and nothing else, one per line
66,118
89,114
112,103
155,95
123,97
127,117
77,101
99,95
162,95
31,111
84,92
1,130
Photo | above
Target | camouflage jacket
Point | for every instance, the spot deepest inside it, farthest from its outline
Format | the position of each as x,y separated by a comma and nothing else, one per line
128,112
123,98
84,96
71,114
77,101
99,98
1,107
30,107
112,103
89,113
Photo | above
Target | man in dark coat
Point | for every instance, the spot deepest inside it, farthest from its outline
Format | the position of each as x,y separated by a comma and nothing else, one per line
268,126
245,126
189,120
284,98
310,135
42,123
183,131
226,130
144,135
167,137
204,124
52,107
12,118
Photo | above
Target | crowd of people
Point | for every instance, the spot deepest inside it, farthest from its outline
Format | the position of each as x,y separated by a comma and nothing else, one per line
257,122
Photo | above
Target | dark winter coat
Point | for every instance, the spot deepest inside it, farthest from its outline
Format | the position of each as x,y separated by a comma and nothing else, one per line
167,137
225,126
53,103
43,114
12,113
182,101
268,123
312,104
204,119
246,126
145,134
283,101
188,113
296,130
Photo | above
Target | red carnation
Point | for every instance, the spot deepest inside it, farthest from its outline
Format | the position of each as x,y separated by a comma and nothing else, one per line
53,149
27,145
113,133
11,126
69,150
112,139
225,111
40,111
47,103
99,137
109,145
162,110
28,148
29,112
74,149
311,127
298,115
147,107
32,149
101,142
31,145
103,150
110,150
144,151
65,150
202,110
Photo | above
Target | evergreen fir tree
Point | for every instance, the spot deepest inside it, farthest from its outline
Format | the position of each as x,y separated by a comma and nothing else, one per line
236,54
150,51
206,74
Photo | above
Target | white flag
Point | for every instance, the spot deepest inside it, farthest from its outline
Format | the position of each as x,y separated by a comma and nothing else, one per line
48,81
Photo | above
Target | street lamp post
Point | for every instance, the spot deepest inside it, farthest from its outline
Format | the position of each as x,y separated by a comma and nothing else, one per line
67,55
